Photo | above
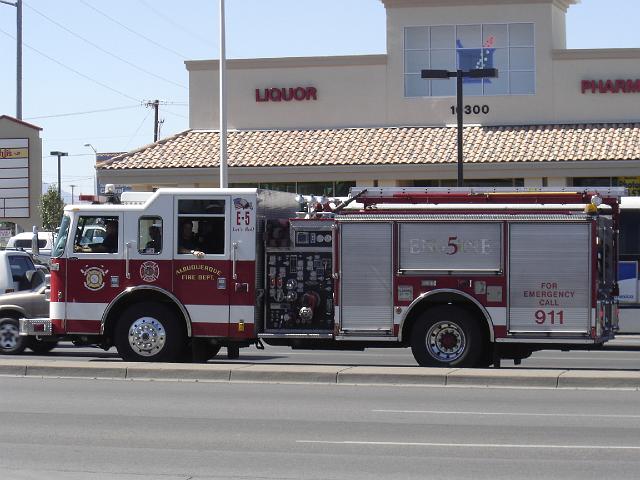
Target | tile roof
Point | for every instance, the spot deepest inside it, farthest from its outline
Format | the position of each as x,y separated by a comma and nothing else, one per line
388,146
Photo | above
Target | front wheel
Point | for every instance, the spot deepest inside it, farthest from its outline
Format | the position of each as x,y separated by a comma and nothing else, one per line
149,332
447,336
41,346
11,343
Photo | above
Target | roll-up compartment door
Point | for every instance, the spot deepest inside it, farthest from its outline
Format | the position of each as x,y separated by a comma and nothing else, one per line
366,298
549,278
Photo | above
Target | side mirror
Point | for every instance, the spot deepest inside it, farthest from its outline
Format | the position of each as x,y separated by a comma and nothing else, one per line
29,275
37,279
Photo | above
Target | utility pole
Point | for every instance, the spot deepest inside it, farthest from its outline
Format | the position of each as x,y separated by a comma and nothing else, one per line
155,104
18,5
72,187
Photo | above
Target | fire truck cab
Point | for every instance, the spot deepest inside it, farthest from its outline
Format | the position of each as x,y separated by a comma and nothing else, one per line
463,277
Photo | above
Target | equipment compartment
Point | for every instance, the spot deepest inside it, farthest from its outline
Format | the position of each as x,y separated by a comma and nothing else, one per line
300,291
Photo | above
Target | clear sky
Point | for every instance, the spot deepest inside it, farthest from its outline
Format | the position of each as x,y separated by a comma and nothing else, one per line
109,57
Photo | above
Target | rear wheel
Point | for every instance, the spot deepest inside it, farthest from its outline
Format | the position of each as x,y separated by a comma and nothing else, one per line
447,336
11,343
149,332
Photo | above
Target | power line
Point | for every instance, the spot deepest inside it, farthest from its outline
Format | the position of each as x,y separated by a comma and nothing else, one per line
130,30
131,64
138,129
72,69
83,113
174,23
166,110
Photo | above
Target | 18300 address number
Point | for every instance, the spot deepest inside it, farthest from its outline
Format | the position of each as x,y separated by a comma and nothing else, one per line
472,109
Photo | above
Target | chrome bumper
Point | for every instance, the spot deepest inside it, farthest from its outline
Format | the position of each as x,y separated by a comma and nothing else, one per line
40,327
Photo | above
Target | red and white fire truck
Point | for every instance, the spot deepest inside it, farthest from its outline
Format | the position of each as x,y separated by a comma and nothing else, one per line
464,277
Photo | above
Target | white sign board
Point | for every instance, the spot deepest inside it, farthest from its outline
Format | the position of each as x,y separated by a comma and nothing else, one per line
451,246
14,178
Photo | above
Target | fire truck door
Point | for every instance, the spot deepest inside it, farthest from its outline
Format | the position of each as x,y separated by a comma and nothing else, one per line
366,294
148,250
202,283
95,271
549,278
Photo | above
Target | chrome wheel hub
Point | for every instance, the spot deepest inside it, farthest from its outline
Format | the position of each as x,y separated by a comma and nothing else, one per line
147,336
446,341
9,336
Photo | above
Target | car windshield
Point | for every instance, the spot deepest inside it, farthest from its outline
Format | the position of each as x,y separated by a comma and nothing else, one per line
61,241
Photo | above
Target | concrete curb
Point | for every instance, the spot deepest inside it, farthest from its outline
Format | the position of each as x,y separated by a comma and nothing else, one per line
325,374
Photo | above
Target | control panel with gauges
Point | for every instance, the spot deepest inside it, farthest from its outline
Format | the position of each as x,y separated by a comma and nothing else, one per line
299,280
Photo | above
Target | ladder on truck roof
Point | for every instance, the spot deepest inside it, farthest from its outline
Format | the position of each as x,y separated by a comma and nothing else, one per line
543,195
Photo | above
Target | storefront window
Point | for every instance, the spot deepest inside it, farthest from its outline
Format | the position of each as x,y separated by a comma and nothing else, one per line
330,189
491,182
507,47
594,182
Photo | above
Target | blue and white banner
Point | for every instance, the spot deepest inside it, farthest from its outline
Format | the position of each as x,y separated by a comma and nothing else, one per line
628,282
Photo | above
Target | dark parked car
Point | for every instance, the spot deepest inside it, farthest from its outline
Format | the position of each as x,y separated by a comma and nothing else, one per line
32,302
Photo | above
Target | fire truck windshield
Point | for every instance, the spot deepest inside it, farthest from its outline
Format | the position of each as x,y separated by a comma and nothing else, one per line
63,234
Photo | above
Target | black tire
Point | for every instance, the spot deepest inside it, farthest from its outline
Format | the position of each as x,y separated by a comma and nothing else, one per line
150,332
233,352
41,346
11,343
447,336
202,350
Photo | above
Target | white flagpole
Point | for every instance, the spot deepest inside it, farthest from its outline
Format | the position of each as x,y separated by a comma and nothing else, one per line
223,101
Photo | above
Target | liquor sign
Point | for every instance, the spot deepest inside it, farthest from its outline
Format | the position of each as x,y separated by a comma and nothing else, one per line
610,86
14,178
289,94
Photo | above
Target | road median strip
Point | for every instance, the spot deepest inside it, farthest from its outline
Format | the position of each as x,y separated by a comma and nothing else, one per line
325,374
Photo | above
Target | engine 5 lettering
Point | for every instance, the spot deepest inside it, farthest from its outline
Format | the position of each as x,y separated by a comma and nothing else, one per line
454,245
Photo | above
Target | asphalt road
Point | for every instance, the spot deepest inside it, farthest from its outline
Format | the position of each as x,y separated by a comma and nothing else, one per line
623,353
67,429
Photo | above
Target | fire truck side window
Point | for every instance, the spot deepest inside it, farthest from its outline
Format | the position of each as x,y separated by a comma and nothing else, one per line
96,235
201,226
150,235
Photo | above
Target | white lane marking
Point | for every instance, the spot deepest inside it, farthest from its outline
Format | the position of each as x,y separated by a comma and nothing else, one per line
475,445
512,414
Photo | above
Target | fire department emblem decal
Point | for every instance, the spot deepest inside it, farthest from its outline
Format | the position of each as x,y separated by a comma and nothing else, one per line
242,204
149,271
94,278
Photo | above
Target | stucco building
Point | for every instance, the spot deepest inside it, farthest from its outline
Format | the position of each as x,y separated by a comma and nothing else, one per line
20,176
553,117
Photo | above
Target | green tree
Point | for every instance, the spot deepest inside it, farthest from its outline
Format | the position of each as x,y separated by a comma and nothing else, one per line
52,207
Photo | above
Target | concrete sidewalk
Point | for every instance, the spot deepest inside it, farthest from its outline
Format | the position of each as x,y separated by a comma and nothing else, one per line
277,373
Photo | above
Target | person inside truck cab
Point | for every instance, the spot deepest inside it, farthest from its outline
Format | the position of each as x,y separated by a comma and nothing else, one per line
110,242
188,242
155,244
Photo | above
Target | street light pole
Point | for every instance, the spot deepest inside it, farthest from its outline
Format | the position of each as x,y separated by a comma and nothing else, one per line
460,75
59,154
72,188
95,167
223,101
18,5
